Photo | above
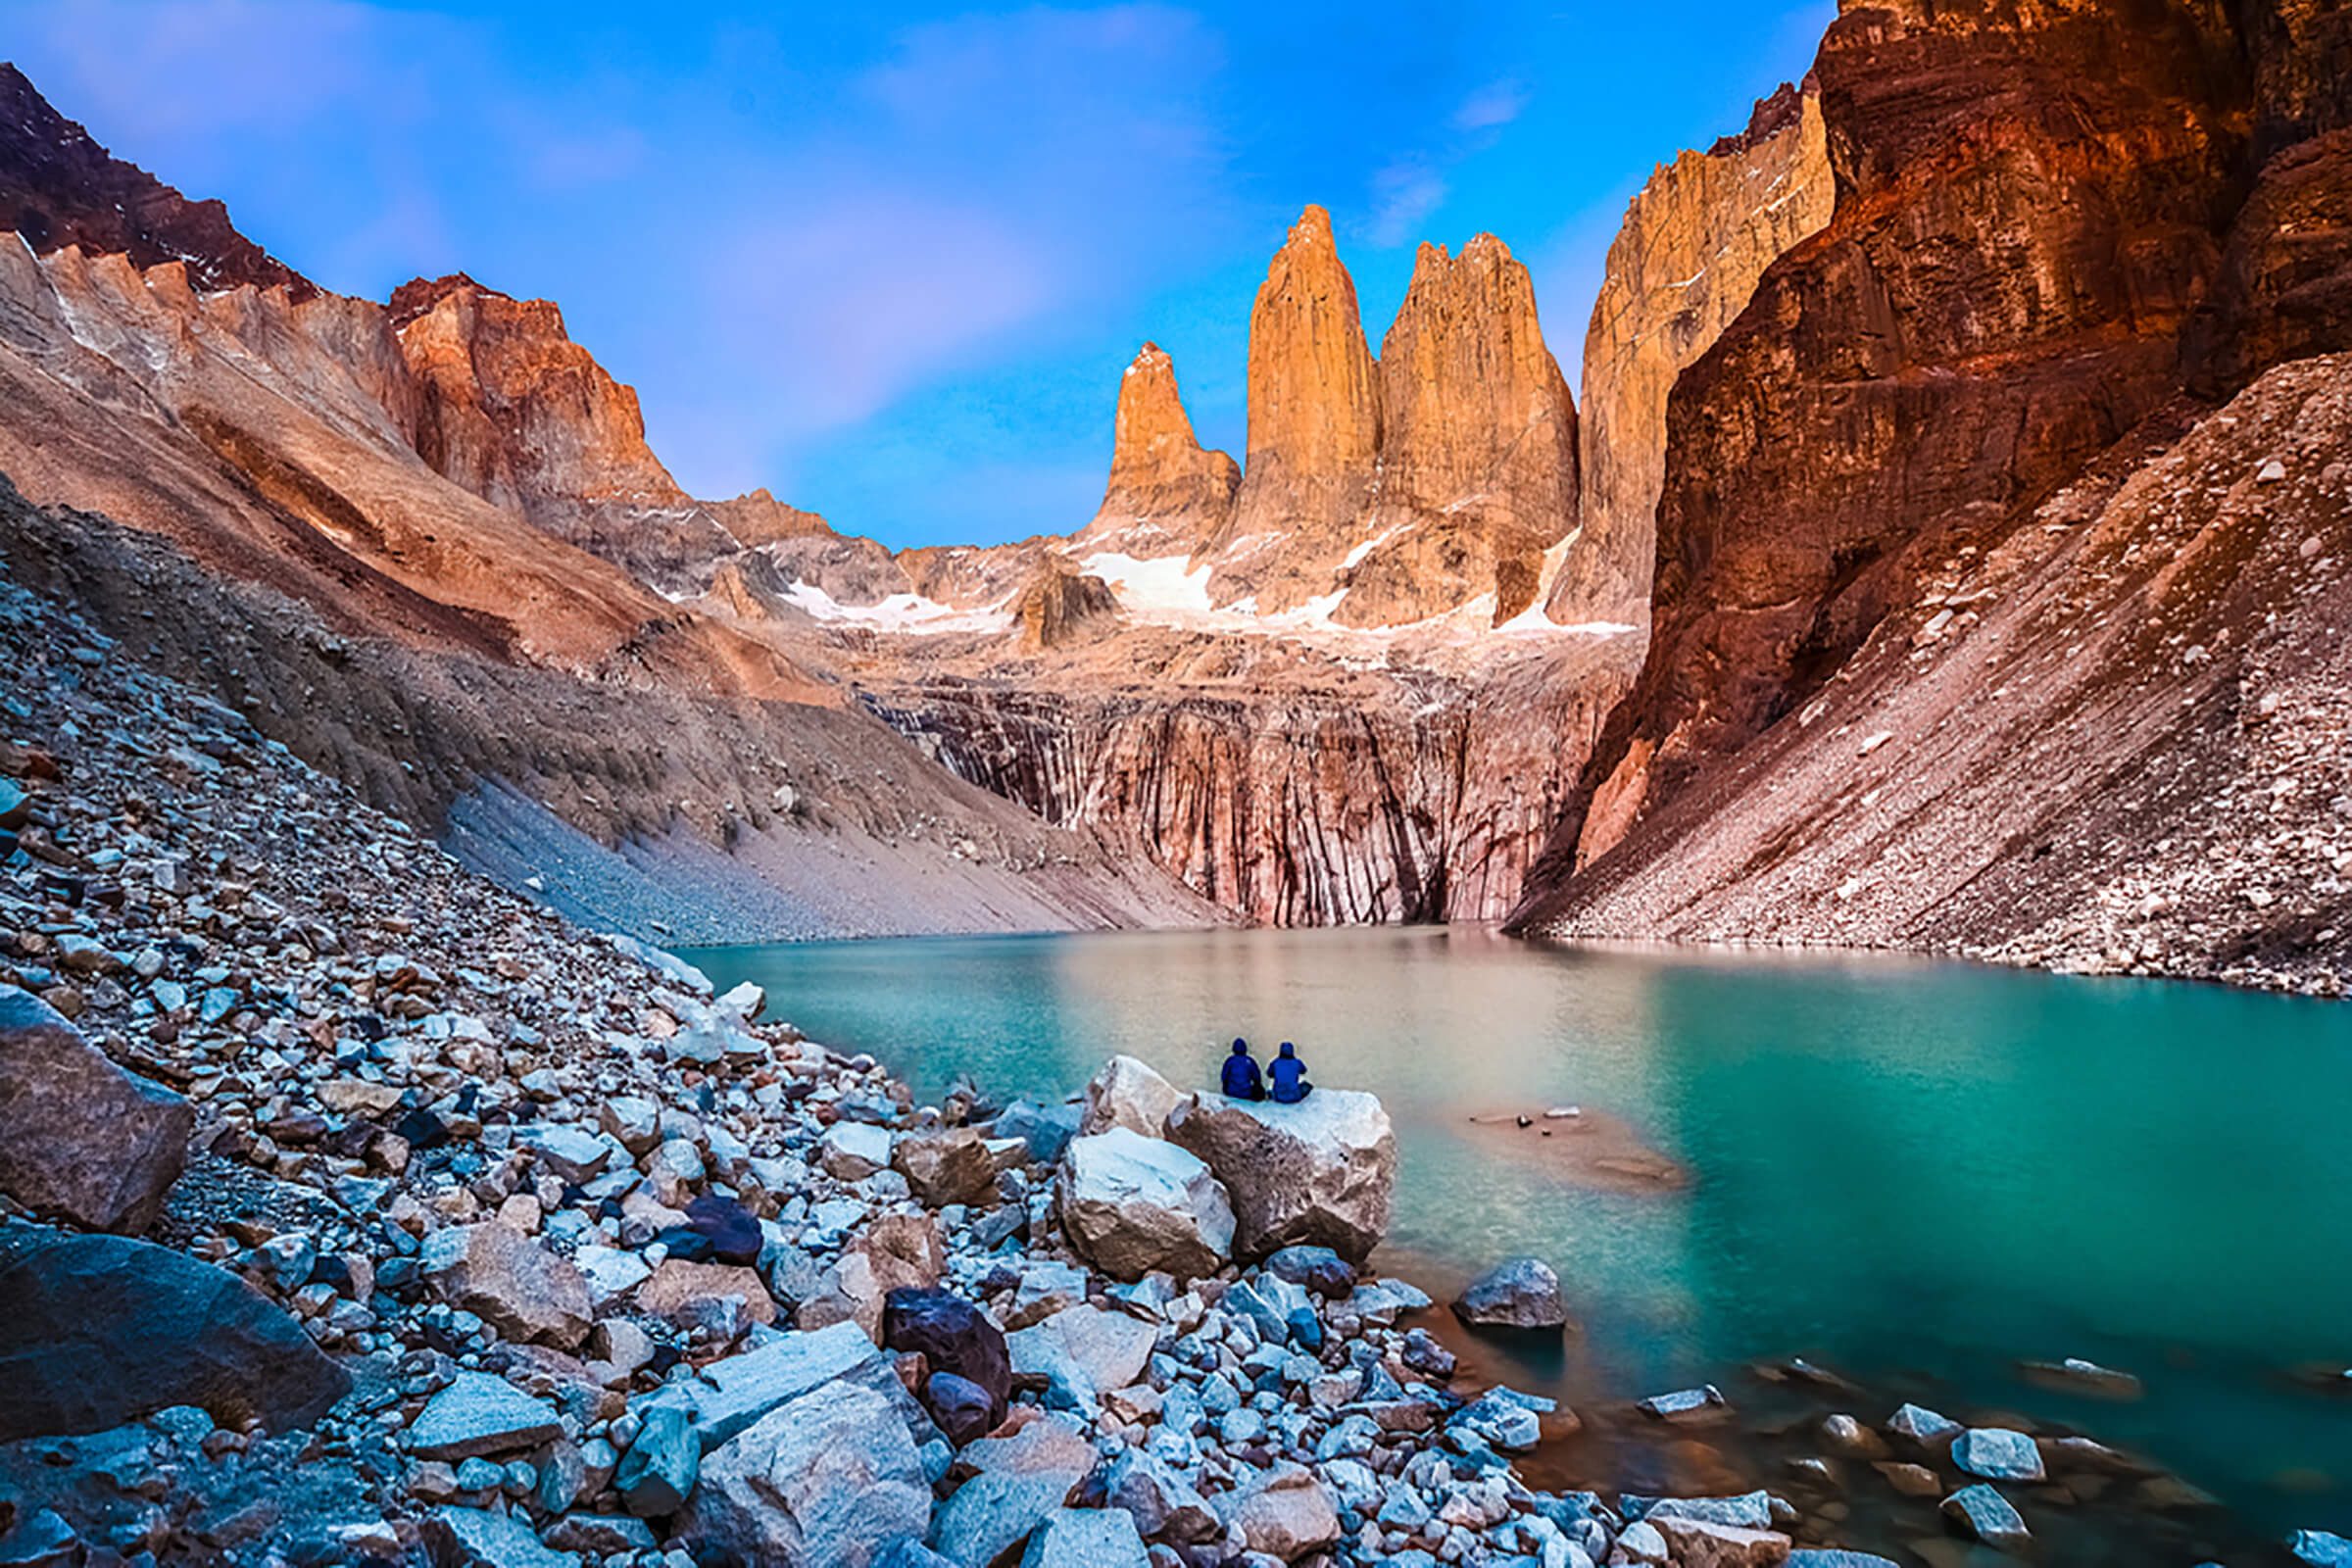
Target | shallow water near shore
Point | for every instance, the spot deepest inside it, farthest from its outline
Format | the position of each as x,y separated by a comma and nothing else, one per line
1916,1173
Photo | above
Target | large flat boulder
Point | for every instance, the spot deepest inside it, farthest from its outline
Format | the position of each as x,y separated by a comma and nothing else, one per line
1133,1204
81,1140
831,1480
730,1396
1320,1173
99,1330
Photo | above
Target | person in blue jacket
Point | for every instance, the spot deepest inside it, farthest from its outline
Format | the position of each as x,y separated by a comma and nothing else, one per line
1241,1080
1290,1077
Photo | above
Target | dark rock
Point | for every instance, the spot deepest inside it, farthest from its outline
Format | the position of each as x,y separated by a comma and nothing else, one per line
97,1330
963,1410
1318,1268
730,1228
954,1337
85,1141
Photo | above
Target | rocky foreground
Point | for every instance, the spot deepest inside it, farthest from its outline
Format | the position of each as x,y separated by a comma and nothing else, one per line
356,1210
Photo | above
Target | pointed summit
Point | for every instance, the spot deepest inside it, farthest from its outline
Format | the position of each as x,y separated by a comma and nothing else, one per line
1168,494
1478,474
1315,419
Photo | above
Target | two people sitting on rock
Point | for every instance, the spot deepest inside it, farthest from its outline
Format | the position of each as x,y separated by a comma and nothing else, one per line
1241,1079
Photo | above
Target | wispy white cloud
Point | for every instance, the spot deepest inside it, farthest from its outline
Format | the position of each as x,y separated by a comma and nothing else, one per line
1404,196
1497,103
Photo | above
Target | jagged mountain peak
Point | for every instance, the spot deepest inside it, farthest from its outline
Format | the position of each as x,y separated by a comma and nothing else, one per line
59,187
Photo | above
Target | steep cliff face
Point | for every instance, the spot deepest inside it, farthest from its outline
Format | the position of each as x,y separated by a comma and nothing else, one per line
1286,788
1314,428
58,188
2118,740
2029,205
1478,448
1681,269
1168,495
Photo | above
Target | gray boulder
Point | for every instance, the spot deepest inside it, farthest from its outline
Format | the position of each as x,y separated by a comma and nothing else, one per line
1130,1094
1984,1514
1997,1454
730,1396
1282,1512
481,1414
479,1538
1084,1350
1521,1292
830,1480
1132,1204
1019,1481
99,1330
1086,1538
1320,1173
85,1141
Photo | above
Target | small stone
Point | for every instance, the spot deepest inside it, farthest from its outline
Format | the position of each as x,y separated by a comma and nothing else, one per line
1984,1514
1521,1292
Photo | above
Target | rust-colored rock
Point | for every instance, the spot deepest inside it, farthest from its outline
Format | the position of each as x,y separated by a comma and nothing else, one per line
1061,605
1314,427
1168,495
2025,221
58,188
1683,266
1478,449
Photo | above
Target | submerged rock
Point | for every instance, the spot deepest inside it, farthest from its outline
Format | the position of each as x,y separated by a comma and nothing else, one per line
83,1141
1984,1514
99,1330
1322,1172
1132,1204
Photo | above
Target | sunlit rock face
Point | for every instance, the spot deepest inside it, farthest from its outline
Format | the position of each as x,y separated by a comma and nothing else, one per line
1314,428
1168,495
1682,269
1478,448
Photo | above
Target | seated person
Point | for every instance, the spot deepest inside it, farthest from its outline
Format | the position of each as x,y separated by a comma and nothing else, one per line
1241,1079
1290,1077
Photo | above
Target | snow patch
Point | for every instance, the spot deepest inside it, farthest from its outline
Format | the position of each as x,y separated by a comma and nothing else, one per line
903,613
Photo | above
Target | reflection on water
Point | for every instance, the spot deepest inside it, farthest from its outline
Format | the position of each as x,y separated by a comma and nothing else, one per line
1916,1172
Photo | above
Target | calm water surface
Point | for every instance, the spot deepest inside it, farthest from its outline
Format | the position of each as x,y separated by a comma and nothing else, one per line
1915,1172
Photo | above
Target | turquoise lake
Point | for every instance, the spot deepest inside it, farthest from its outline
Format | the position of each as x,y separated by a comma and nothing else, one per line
1917,1173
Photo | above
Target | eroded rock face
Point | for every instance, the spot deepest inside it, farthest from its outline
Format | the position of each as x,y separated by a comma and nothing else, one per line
1478,446
1319,1173
83,1141
1168,495
1984,313
1681,269
1314,427
1059,606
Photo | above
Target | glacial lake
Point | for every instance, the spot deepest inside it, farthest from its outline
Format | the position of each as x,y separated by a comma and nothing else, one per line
1914,1173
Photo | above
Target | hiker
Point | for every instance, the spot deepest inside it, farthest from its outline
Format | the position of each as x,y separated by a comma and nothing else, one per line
1241,1080
1290,1077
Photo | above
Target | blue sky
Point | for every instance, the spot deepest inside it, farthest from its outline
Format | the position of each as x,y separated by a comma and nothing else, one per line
890,261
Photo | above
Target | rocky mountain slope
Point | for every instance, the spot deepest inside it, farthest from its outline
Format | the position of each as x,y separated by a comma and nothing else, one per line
2042,238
